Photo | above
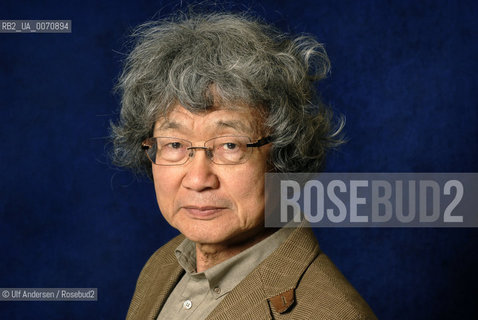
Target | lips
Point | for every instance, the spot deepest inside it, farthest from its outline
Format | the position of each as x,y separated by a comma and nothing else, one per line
203,212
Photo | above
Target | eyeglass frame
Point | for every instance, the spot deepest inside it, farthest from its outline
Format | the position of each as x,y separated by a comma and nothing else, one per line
259,143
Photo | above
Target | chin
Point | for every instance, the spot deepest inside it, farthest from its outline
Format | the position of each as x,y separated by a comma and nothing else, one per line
206,238
208,234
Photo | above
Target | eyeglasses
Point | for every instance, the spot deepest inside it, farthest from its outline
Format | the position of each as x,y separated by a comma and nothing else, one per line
228,150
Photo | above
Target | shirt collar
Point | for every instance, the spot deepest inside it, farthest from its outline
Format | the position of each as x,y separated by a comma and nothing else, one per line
223,277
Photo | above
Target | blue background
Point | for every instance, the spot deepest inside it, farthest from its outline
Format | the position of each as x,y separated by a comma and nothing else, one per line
404,74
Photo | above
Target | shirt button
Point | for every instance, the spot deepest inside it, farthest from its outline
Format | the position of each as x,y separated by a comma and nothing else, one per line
217,290
187,304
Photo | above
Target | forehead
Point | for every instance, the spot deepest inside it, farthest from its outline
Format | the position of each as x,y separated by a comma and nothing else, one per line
240,119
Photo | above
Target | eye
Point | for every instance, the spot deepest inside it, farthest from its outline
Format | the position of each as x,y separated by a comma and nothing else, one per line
175,145
230,146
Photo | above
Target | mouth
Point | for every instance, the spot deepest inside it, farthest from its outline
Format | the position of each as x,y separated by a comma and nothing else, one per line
204,212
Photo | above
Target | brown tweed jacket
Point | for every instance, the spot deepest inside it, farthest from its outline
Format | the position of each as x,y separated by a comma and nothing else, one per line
297,281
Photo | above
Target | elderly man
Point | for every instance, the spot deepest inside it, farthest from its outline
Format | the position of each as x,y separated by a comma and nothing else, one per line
210,103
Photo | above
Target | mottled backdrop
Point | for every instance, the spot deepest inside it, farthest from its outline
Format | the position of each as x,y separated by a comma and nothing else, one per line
404,75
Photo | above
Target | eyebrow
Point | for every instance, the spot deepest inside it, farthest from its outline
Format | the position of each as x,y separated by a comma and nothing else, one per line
233,124
170,125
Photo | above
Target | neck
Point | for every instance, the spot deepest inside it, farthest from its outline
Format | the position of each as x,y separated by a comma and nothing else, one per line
210,254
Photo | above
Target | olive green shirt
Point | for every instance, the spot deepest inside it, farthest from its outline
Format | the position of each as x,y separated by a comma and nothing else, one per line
197,294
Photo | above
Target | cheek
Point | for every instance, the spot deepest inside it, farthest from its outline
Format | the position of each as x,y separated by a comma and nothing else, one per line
165,186
247,189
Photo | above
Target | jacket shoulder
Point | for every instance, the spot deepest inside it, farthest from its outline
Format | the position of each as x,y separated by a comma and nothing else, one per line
325,293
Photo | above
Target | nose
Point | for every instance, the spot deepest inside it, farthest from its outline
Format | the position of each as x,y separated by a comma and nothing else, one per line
200,175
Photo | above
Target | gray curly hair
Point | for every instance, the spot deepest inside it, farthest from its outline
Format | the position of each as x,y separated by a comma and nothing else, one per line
197,59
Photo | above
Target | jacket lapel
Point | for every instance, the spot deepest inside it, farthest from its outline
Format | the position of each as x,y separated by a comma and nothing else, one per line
162,283
246,301
272,283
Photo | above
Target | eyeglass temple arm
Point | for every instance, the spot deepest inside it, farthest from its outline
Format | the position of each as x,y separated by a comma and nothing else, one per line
260,143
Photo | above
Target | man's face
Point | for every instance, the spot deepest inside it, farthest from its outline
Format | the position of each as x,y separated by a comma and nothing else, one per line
207,202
